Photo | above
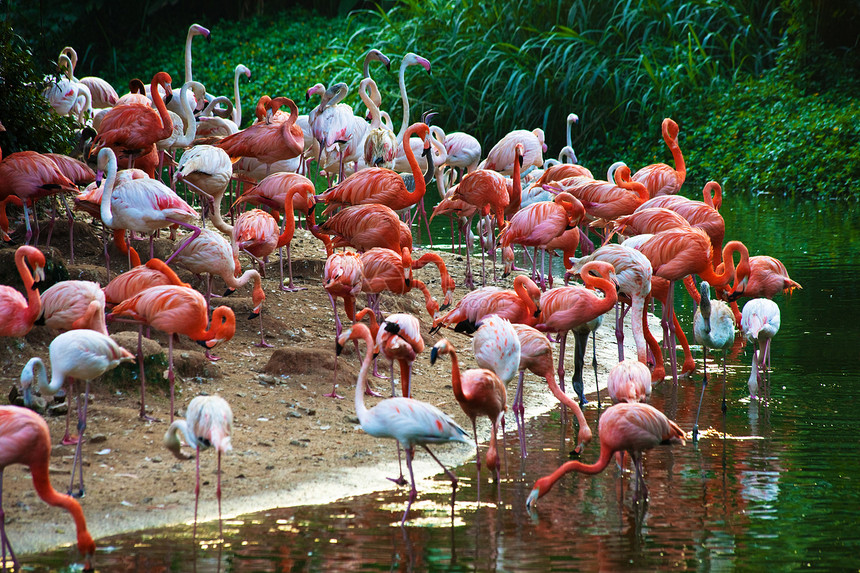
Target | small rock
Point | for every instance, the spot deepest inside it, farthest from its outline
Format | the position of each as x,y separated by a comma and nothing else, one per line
296,443
155,459
267,378
270,467
293,414
351,419
265,444
58,409
98,439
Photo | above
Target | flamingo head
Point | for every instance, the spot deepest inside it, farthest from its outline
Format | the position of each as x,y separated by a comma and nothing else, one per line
241,69
198,30
375,54
412,58
670,129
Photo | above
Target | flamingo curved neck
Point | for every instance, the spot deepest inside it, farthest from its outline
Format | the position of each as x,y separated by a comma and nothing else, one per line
158,101
522,292
107,191
404,124
237,107
375,118
216,218
456,382
420,184
360,408
677,156
42,485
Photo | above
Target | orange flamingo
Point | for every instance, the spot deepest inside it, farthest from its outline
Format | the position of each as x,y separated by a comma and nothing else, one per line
697,214
179,310
631,428
25,439
536,356
629,381
659,178
767,278
342,277
399,338
210,253
570,307
445,280
379,185
19,313
479,392
537,225
410,422
520,306
208,423
677,253
648,220
760,323
364,227
135,127
29,176
81,354
268,142
272,192
604,199
384,270
488,191
70,305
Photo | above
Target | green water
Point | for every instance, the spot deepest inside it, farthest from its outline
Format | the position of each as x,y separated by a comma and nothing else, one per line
781,490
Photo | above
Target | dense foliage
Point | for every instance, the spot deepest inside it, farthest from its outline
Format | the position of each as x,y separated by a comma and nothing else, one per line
29,121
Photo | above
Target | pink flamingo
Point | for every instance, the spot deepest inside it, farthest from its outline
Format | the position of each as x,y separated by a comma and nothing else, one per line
208,423
623,427
70,305
536,356
520,306
410,422
76,355
20,313
399,338
25,439
659,178
479,392
502,156
629,381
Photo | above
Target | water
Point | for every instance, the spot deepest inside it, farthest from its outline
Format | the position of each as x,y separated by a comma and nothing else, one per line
772,486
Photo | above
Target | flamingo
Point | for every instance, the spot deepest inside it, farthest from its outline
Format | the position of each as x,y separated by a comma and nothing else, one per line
103,94
648,221
571,307
272,192
714,328
268,142
135,127
607,199
29,176
463,151
142,205
178,310
502,156
341,129
384,269
536,356
768,277
633,275
409,421
342,277
69,305
19,313
567,156
760,323
497,347
399,338
78,355
479,392
380,143
520,306
445,280
364,227
67,95
210,253
659,178
207,170
378,185
208,423
629,381
410,59
697,214
676,253
537,225
25,439
624,427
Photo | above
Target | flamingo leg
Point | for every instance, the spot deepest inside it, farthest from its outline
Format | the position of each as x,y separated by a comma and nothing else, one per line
218,495
196,492
594,366
195,232
580,343
450,475
338,328
519,411
143,415
723,407
4,539
290,287
170,377
469,281
477,457
413,493
262,343
619,329
68,439
82,425
702,395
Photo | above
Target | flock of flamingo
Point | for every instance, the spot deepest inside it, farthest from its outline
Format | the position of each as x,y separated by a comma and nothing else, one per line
377,183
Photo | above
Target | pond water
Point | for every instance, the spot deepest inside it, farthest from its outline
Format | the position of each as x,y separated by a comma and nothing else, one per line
773,486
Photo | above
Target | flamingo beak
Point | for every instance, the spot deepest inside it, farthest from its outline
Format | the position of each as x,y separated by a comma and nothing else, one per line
531,501
434,354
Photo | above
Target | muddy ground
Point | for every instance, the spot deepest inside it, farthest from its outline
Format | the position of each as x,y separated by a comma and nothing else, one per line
291,444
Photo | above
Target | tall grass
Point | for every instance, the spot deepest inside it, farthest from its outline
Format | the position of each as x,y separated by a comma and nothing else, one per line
528,63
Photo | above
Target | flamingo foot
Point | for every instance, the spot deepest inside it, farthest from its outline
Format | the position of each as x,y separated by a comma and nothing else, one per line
334,394
292,288
374,393
263,344
69,440
212,357
401,481
148,418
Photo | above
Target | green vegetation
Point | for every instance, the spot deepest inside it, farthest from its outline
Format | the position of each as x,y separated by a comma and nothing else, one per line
758,88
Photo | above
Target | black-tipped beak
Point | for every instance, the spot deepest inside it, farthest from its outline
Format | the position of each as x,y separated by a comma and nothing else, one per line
426,153
408,283
444,307
378,161
536,313
505,275
520,159
168,97
202,343
574,453
228,292
392,327
253,315
434,353
337,348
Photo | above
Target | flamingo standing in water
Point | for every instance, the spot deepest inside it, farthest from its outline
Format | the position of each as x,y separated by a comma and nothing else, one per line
479,392
19,313
714,328
623,427
77,355
659,178
536,356
767,278
208,423
179,310
25,439
760,323
571,307
409,421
